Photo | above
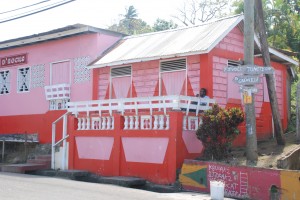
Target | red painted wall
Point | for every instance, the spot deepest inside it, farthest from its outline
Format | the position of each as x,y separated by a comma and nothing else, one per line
117,165
40,123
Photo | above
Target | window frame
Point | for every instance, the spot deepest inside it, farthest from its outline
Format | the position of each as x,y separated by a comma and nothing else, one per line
18,79
8,88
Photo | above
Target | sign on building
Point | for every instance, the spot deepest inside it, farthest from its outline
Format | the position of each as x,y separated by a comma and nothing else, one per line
13,60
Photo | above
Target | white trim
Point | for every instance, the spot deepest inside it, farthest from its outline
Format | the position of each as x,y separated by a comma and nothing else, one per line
61,61
44,37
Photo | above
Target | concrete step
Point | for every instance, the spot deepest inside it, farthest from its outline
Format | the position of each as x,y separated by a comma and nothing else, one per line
40,161
22,168
43,157
116,180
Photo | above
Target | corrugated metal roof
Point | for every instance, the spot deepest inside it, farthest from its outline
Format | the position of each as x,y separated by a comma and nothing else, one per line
171,43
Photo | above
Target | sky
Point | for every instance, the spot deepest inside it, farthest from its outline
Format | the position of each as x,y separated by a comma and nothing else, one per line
98,13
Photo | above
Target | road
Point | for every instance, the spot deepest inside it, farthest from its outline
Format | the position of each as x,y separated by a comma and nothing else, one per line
30,187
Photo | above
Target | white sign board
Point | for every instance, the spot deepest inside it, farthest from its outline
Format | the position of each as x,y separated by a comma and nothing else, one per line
246,80
249,69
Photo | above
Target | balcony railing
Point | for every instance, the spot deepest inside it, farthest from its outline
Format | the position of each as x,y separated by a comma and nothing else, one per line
142,104
145,113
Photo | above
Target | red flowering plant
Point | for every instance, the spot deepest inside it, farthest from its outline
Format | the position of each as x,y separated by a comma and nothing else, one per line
218,130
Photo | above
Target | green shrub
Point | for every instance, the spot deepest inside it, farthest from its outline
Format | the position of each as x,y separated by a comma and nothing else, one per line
218,130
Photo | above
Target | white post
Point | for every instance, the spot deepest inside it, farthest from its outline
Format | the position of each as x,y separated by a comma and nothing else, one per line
155,122
137,122
161,122
112,123
168,122
108,123
79,124
131,122
53,147
64,150
83,124
125,122
88,123
103,123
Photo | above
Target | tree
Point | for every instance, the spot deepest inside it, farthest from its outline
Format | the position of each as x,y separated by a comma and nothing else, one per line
130,24
282,22
195,11
161,25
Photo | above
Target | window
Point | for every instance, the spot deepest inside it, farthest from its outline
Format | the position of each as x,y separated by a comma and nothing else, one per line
173,77
120,82
23,79
4,82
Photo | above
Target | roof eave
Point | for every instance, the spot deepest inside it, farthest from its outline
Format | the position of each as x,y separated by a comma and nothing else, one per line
131,61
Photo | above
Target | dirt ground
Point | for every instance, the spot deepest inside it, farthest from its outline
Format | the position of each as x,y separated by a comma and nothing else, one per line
268,152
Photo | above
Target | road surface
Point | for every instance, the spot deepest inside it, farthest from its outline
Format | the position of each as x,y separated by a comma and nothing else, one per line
30,187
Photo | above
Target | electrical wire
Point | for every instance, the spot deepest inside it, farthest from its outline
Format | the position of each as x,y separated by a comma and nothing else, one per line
35,11
24,7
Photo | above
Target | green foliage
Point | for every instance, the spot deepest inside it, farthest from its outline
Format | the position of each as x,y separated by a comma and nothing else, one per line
282,22
292,121
218,130
161,25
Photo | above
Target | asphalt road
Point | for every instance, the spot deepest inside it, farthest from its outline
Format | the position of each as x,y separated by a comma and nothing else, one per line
30,187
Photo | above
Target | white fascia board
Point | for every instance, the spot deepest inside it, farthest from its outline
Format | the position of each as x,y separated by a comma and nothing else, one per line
44,37
124,62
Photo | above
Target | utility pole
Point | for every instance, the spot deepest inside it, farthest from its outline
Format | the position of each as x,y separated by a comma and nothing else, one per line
269,78
251,140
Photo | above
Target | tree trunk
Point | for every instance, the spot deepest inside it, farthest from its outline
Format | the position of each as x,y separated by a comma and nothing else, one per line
269,77
298,113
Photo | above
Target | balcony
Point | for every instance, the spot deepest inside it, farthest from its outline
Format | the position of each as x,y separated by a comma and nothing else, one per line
143,113
58,95
59,91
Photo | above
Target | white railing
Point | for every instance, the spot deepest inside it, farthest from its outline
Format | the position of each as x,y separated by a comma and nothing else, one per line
147,122
64,117
141,104
59,91
191,123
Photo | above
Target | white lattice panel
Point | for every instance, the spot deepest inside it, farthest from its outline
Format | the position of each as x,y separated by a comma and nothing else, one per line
81,72
37,76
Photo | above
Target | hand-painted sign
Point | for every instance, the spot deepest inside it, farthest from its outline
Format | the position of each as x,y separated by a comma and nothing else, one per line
248,89
249,69
246,80
14,60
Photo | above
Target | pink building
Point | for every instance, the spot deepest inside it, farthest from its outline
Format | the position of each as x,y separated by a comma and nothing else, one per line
127,113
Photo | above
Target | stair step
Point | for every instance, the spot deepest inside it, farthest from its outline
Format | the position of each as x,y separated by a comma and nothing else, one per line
40,161
44,157
22,168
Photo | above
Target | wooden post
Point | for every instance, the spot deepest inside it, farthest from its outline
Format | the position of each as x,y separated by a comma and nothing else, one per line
251,140
269,78
298,113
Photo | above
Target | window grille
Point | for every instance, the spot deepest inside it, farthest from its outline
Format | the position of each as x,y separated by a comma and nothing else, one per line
23,79
173,65
4,82
121,71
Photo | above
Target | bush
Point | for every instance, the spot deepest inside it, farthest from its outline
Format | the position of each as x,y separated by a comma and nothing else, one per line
218,130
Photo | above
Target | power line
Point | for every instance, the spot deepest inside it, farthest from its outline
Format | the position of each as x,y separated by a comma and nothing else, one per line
23,7
35,11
